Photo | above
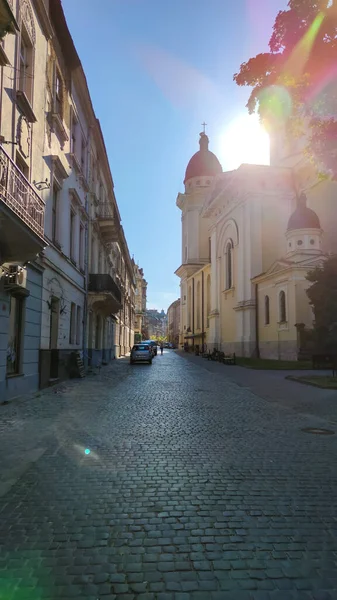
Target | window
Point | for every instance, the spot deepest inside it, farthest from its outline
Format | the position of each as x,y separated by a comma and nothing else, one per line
83,156
81,258
25,83
55,213
189,308
208,298
266,311
72,328
198,305
73,134
229,265
282,307
58,94
15,333
78,325
209,248
72,234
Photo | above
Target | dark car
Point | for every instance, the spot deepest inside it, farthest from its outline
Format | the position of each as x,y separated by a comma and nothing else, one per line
153,345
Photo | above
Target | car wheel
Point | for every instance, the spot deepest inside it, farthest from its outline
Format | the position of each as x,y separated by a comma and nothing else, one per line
131,362
150,361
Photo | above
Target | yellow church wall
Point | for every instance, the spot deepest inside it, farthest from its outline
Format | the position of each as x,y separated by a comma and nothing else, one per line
277,340
275,216
199,302
228,301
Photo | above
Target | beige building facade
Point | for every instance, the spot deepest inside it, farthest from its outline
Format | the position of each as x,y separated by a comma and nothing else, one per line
140,303
173,322
248,239
67,284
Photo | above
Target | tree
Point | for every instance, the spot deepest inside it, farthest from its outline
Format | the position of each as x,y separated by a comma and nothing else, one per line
294,83
322,296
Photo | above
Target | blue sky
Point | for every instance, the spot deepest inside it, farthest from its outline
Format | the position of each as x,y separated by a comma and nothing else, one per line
156,70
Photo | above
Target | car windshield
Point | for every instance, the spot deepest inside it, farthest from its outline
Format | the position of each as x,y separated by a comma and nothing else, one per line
141,347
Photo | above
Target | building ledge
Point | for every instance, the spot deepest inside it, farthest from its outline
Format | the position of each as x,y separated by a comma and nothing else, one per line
25,106
4,60
59,127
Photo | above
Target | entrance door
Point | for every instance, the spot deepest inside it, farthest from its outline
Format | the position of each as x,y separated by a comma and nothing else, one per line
53,337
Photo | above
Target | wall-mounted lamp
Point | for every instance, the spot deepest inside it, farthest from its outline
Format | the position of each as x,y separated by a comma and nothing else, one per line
42,185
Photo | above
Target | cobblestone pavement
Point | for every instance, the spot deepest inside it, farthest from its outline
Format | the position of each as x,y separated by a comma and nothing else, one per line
273,386
165,482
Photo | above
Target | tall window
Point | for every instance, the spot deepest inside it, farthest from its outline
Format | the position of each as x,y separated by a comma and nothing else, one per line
209,248
55,213
14,344
266,311
73,134
83,156
78,325
282,307
208,298
26,65
81,260
229,265
72,234
58,94
198,305
189,307
72,329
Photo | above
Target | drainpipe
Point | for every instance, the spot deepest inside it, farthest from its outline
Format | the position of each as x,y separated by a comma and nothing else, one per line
257,341
202,311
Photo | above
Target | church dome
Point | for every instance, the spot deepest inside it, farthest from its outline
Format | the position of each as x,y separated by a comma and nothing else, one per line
203,163
303,217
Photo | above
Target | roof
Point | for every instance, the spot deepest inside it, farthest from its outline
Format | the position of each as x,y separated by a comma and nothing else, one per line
203,162
303,217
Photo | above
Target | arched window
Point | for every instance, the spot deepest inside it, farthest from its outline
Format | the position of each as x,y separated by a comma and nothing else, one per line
282,307
189,308
208,298
266,311
198,306
229,265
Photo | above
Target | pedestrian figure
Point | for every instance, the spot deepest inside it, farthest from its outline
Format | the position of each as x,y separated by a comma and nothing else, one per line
161,347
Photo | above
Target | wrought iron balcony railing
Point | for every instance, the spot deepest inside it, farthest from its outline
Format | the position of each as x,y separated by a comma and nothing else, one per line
18,194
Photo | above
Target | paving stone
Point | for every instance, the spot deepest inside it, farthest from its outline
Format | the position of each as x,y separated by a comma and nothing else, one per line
195,488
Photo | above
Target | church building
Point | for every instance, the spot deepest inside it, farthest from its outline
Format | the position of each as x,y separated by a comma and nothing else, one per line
249,237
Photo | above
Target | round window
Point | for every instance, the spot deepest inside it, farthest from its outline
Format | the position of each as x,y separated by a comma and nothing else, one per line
299,242
312,242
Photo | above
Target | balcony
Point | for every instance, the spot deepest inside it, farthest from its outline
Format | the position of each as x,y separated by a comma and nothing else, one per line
8,23
108,222
21,214
104,294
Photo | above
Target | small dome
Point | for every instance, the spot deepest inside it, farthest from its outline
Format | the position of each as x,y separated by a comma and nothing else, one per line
303,217
203,162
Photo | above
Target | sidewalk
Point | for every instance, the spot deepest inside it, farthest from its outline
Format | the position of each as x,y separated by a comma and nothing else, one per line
273,386
40,422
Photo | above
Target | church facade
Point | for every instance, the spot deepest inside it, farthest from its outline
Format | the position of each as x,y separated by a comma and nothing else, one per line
249,237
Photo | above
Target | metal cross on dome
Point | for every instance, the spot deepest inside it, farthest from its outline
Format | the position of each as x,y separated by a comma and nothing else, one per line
204,126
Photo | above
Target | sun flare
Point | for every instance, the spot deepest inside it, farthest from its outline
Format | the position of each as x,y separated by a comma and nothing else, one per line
244,141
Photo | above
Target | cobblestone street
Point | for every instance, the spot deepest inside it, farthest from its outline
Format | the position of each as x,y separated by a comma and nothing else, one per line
165,482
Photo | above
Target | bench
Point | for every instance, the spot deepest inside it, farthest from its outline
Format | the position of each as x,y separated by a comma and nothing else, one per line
229,359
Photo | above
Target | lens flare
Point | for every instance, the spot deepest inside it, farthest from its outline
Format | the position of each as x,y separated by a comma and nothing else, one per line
275,105
87,451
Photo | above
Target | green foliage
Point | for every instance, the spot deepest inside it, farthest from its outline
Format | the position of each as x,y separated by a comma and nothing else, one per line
322,296
300,70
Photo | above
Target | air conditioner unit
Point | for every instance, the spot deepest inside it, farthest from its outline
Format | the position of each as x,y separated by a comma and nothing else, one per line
16,278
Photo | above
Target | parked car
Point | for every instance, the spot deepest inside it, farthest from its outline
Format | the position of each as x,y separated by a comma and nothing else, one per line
141,353
153,345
